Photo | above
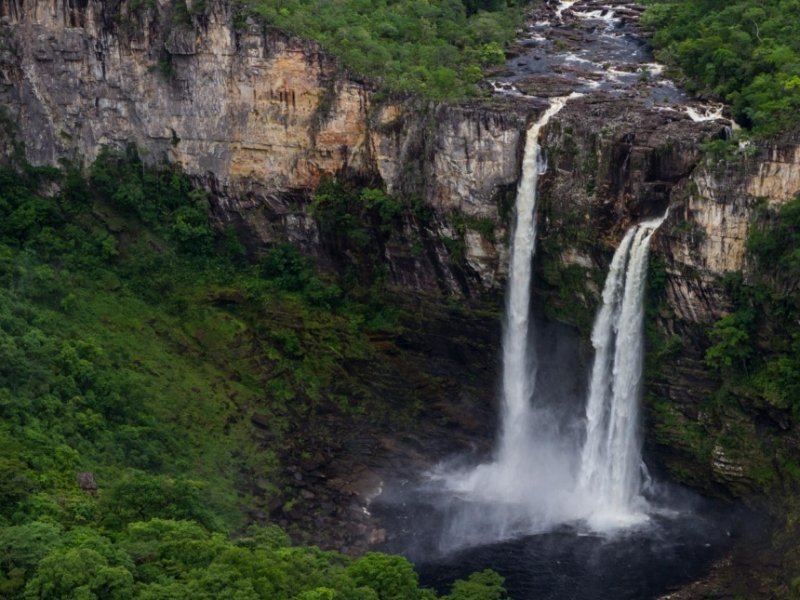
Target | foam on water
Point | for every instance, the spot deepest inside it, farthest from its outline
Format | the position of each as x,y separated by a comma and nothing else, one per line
705,113
562,6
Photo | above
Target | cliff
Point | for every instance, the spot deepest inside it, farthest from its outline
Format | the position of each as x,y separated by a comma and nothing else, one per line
260,118
610,166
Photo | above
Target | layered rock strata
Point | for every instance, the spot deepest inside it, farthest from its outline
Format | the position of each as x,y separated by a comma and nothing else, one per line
258,116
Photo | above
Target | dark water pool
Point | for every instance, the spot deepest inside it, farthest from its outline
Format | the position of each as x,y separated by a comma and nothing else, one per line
567,563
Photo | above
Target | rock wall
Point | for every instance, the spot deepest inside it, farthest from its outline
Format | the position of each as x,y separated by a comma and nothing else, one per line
702,243
258,116
613,161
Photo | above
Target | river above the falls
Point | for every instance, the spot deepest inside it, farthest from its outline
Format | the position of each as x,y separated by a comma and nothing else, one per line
593,47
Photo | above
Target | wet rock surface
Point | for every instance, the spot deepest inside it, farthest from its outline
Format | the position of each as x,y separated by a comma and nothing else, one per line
588,46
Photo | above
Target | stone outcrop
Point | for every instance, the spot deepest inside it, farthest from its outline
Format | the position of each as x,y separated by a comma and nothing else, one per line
716,207
611,162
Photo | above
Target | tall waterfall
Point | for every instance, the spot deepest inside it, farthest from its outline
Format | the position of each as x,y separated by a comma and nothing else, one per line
514,494
611,461
543,474
518,360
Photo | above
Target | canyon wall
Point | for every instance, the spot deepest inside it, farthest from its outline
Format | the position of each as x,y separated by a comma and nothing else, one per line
260,118
613,162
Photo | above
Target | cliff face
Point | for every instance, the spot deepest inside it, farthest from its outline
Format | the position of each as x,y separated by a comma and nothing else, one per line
258,116
703,244
612,163
718,203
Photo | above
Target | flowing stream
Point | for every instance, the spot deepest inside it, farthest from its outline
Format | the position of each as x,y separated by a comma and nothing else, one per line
611,461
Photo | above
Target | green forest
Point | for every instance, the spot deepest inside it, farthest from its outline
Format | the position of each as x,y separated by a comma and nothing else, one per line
131,334
743,52
437,48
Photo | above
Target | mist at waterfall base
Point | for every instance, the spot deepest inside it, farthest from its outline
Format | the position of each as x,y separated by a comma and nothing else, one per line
535,480
546,471
535,544
566,501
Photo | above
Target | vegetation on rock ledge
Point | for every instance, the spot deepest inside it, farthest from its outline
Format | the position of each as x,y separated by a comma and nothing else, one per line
750,420
439,48
757,347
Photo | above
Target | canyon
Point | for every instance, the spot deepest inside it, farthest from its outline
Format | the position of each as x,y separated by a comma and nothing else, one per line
259,118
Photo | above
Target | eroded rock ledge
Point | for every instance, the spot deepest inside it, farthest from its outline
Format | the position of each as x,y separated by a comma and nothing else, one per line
258,116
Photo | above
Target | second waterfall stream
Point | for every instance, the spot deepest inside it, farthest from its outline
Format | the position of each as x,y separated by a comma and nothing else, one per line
611,461
544,474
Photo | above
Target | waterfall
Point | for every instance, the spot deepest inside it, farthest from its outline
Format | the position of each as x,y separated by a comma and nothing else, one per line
611,462
543,473
518,359
514,493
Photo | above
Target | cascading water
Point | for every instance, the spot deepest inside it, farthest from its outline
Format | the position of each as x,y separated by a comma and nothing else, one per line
514,493
568,457
611,461
518,359
542,475
549,482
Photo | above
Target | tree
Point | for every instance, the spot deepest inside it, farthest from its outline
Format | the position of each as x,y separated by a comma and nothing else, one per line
392,577
484,585
79,574
21,549
141,496
731,343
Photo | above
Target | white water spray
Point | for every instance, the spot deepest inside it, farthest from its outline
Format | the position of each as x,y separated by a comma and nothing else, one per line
562,6
518,363
611,461
705,113
517,492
